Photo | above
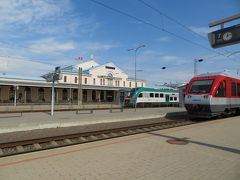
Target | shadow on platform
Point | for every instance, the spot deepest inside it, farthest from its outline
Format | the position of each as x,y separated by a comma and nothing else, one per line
236,151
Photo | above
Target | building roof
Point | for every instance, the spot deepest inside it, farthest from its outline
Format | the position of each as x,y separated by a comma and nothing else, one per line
18,77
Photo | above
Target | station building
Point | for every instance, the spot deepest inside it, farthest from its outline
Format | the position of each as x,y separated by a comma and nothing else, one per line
100,84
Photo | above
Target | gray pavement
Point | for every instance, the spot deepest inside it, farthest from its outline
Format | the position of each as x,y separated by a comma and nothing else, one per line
42,120
213,153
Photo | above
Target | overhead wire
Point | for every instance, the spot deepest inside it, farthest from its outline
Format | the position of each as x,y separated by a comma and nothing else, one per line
150,24
155,26
177,22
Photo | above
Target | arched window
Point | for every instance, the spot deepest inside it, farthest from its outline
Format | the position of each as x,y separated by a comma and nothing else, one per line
75,79
41,94
65,78
64,94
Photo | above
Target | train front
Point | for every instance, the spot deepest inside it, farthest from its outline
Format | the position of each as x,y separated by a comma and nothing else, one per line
198,97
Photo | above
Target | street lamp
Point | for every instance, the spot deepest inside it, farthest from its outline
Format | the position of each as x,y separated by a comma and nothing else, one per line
52,77
195,65
135,52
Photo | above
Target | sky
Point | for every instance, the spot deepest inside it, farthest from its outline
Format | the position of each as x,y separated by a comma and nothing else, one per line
38,35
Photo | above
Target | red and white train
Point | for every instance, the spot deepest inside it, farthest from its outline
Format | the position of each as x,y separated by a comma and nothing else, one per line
212,94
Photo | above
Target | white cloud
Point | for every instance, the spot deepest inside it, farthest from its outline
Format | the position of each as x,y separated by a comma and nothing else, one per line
44,17
96,46
50,45
203,30
163,39
14,65
27,11
168,58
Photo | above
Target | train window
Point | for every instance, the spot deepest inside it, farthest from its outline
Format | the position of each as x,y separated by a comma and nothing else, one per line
161,95
238,89
171,98
221,91
156,95
234,87
140,95
151,94
201,86
175,98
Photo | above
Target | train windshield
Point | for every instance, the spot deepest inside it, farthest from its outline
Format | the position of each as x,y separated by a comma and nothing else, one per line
201,86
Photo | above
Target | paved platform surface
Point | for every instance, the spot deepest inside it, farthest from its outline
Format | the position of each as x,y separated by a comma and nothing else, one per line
41,120
213,153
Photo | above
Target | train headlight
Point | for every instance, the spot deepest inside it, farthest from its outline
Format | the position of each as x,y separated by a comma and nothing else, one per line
205,96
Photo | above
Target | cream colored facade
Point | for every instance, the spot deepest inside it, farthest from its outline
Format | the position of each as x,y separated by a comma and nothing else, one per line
100,84
108,75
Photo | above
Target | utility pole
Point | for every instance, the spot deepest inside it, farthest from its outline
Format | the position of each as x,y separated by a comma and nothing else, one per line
53,97
195,65
79,87
135,67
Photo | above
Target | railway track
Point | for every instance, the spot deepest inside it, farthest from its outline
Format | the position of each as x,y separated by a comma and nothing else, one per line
27,146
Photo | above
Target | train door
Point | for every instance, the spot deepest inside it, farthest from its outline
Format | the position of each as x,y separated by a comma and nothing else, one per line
167,98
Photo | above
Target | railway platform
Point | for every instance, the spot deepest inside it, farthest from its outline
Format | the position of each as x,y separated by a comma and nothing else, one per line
15,122
211,152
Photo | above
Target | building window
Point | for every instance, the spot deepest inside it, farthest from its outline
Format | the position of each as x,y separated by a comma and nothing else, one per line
28,94
130,84
140,95
156,95
151,95
75,94
11,94
41,94
85,80
84,95
115,83
65,78
100,81
103,81
75,79
94,95
171,98
175,98
161,95
118,83
142,84
123,83
94,81
64,94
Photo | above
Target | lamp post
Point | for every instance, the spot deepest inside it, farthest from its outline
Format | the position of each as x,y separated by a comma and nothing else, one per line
52,77
195,65
135,53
